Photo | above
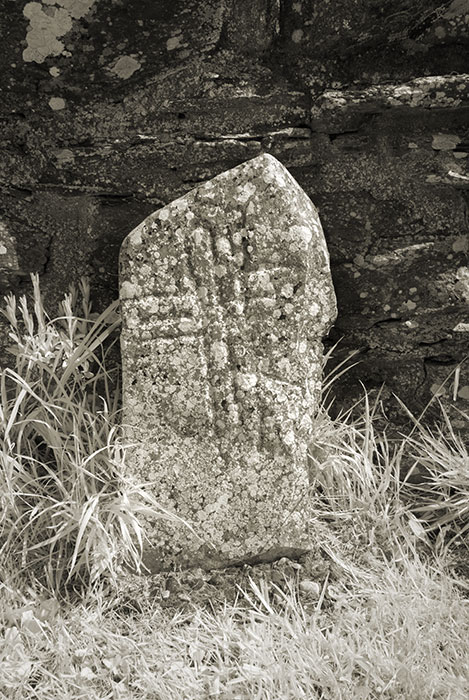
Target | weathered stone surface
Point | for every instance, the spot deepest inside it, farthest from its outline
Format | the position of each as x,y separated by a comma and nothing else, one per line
334,111
226,294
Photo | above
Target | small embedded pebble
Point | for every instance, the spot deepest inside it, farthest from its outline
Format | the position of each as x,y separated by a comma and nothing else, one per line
310,587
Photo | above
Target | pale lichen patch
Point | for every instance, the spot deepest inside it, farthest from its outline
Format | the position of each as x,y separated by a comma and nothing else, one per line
57,103
457,8
174,42
297,36
125,66
463,392
219,353
64,156
76,8
50,20
461,244
445,142
437,389
287,291
245,192
135,237
128,290
246,381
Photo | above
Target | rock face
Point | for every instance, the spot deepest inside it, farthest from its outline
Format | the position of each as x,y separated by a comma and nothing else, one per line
226,294
111,109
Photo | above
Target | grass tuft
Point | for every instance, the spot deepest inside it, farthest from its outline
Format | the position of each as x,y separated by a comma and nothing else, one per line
440,496
68,515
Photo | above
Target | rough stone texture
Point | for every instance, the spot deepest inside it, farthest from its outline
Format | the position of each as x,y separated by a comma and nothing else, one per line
111,109
226,294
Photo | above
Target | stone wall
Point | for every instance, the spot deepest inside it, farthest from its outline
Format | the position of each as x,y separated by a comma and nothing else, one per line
111,109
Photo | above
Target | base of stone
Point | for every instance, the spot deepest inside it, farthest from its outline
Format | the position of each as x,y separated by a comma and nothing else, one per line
154,562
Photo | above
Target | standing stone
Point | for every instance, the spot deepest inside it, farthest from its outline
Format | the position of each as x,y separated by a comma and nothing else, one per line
226,294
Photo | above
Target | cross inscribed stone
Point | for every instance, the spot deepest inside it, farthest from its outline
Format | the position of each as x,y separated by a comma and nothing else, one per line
226,294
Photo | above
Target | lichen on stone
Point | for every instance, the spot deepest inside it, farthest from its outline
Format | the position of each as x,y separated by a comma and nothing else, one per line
125,67
49,20
57,103
223,314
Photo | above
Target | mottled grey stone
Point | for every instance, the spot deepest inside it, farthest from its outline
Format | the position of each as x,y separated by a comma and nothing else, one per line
226,294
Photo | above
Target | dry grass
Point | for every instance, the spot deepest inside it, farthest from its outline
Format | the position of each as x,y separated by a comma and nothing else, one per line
389,627
390,620
68,514
441,497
